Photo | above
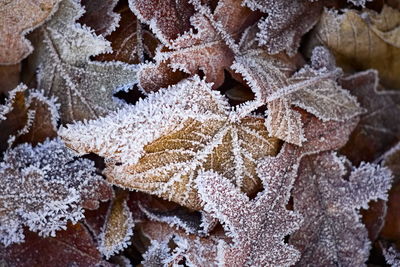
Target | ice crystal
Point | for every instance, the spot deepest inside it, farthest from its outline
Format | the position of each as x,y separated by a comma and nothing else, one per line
332,233
85,88
164,141
43,188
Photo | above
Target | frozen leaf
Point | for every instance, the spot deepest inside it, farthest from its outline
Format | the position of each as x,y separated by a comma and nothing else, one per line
130,42
314,90
43,188
194,250
159,145
118,227
363,40
257,226
84,88
158,254
99,16
379,127
286,23
17,18
74,246
210,48
167,18
329,193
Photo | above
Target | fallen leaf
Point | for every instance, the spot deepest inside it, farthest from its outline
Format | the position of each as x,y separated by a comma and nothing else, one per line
286,23
100,17
17,18
43,188
379,127
362,40
329,192
118,226
72,246
83,87
164,140
9,77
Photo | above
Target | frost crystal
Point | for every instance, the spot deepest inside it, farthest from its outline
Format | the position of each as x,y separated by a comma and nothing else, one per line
163,141
85,88
332,233
43,188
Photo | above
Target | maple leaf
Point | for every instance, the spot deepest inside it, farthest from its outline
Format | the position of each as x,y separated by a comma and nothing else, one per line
286,23
314,90
159,145
332,233
209,49
99,16
44,188
118,227
363,40
379,127
18,18
259,243
74,245
84,88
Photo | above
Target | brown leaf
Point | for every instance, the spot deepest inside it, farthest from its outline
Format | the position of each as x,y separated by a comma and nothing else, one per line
166,139
118,226
9,77
16,19
72,246
379,127
130,42
99,16
329,192
363,40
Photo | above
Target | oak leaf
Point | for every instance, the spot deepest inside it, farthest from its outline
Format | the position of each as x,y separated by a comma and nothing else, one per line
332,233
84,88
159,145
16,19
364,39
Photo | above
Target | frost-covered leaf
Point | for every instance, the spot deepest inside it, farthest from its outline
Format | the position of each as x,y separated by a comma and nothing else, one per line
210,48
392,256
328,193
159,145
379,127
313,88
118,227
364,39
167,19
43,188
74,246
84,88
130,42
17,18
194,250
286,23
99,16
257,226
